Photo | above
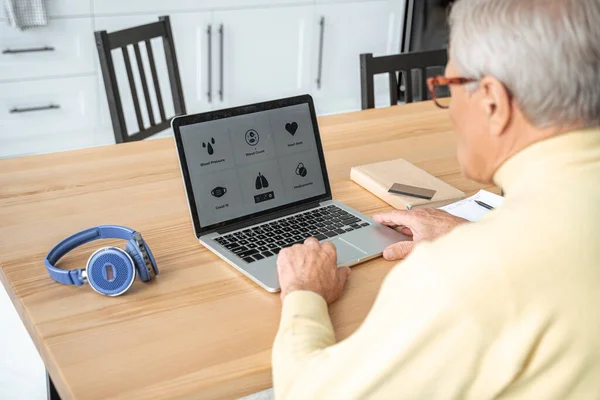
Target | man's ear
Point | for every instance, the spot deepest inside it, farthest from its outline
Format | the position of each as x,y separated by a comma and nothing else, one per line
496,102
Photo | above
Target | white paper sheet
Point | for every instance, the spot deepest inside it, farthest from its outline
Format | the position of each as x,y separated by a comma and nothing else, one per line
472,211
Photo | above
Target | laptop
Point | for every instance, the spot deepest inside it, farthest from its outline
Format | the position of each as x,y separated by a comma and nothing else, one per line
256,183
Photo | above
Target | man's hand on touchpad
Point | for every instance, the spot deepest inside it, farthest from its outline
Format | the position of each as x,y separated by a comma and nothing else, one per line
423,224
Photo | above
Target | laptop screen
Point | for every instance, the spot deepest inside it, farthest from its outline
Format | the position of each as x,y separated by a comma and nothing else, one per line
249,164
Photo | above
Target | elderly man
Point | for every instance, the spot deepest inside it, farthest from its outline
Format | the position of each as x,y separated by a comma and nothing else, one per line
503,308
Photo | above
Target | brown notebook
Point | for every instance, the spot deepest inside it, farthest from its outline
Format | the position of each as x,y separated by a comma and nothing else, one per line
378,179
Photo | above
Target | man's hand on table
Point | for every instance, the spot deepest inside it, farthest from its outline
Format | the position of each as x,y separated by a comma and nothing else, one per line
313,267
422,225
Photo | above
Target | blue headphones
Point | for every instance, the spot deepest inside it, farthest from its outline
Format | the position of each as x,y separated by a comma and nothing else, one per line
110,270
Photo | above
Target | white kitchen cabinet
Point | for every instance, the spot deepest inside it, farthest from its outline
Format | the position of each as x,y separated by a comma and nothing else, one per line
225,59
111,7
46,116
63,47
267,49
266,54
192,42
348,30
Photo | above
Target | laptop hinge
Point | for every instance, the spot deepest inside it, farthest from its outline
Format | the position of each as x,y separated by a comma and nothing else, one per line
268,217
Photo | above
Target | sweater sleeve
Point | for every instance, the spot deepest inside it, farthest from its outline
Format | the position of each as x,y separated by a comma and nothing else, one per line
416,334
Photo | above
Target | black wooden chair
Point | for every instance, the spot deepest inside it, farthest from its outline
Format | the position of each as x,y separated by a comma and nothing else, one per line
395,66
106,42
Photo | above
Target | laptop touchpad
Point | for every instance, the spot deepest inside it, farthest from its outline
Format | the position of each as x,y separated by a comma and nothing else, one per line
346,253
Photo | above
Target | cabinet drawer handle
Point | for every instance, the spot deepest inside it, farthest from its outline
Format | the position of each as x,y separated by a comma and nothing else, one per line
32,50
209,33
320,66
16,110
221,37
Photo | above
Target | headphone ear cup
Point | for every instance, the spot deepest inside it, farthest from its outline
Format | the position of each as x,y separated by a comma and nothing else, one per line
138,260
149,258
110,271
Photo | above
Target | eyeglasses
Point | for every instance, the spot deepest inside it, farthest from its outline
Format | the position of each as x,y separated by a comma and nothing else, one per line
439,87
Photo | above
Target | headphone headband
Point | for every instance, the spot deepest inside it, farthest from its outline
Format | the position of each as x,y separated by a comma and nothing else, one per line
74,277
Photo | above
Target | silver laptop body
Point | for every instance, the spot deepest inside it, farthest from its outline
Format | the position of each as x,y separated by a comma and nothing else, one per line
256,183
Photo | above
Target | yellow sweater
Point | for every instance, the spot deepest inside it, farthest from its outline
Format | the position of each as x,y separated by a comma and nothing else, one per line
508,307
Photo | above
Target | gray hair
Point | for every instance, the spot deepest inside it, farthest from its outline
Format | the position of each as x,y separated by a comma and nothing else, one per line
546,53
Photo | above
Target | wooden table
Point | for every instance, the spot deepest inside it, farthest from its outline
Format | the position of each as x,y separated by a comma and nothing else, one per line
201,329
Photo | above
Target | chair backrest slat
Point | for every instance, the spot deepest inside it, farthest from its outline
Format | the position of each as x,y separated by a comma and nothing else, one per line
133,88
408,88
106,42
393,78
403,63
159,100
138,58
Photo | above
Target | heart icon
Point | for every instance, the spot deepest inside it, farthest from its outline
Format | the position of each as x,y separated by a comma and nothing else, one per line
291,127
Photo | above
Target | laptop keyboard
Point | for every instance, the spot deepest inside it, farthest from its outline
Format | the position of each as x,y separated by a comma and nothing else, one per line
267,240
